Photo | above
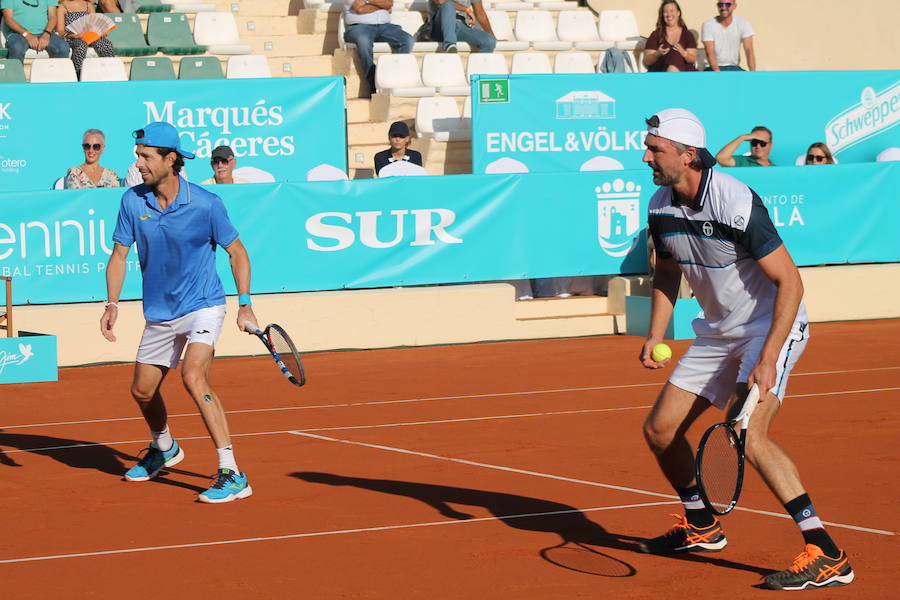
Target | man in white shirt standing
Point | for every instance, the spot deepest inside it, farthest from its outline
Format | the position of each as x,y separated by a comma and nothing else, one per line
723,36
367,22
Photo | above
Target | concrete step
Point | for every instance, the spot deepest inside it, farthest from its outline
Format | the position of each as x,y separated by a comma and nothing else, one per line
259,8
266,25
302,66
555,308
290,45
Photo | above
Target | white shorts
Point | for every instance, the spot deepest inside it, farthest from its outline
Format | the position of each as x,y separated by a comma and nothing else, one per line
712,366
163,342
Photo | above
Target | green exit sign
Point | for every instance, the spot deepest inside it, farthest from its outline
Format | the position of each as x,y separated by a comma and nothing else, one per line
493,90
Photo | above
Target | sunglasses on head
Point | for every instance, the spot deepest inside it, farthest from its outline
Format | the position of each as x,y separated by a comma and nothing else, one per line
815,158
723,4
87,146
760,143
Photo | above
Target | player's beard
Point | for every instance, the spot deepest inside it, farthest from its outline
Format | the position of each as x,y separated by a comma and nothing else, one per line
664,179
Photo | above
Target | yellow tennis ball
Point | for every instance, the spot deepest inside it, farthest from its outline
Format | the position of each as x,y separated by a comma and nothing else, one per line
661,352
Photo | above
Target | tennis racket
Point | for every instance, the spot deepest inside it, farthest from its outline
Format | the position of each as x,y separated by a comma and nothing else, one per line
720,459
282,348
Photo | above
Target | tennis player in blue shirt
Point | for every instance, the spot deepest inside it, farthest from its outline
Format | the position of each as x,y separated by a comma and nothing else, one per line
177,226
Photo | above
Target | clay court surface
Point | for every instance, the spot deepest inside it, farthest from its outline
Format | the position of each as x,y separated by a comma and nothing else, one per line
501,470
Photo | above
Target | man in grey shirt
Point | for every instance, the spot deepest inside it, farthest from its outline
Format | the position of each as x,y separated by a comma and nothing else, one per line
723,36
454,21
367,22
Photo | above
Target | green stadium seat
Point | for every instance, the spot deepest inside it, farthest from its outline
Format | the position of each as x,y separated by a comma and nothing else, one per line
3,52
171,33
200,67
153,6
152,68
128,36
12,71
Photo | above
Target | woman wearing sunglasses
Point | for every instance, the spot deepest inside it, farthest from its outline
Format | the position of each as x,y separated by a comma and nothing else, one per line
819,154
90,174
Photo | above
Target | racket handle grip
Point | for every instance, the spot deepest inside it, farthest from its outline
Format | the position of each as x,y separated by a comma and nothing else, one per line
252,327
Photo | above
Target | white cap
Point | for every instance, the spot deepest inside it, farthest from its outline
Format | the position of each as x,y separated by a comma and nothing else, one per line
682,126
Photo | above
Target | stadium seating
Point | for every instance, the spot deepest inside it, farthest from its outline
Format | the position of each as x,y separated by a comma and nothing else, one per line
325,172
192,7
110,68
398,75
11,71
439,118
536,27
558,5
52,70
219,33
574,62
531,63
506,165
200,67
619,26
401,168
128,36
513,5
152,68
888,154
503,31
325,5
153,6
247,66
486,64
580,29
171,33
410,21
445,73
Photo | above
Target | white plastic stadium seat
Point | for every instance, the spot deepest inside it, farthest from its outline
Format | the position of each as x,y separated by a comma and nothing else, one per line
325,172
503,31
506,165
580,29
325,5
218,31
52,70
531,63
445,72
574,62
192,7
398,75
619,26
888,154
439,118
558,5
401,168
484,63
410,21
601,163
108,68
512,5
59,184
536,27
253,175
247,66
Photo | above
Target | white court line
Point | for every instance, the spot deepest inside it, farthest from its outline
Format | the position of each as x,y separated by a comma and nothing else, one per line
410,423
426,399
325,533
559,477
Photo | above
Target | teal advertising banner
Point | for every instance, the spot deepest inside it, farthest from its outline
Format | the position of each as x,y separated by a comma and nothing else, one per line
281,127
546,123
28,358
426,230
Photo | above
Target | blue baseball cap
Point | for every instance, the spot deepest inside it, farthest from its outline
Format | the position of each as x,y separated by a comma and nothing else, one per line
160,134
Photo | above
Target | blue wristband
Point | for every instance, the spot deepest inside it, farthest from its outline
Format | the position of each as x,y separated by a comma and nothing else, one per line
244,300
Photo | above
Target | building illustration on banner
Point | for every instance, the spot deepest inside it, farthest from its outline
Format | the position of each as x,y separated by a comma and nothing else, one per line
586,105
618,216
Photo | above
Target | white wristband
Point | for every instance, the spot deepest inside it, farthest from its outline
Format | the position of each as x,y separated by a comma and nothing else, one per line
108,304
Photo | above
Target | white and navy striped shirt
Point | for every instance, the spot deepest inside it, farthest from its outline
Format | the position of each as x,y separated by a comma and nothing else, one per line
717,246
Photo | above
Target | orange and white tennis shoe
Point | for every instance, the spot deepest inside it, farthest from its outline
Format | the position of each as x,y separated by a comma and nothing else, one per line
812,569
684,537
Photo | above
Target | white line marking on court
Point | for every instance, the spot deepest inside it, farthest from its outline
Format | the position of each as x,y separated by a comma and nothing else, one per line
414,423
558,477
427,399
334,532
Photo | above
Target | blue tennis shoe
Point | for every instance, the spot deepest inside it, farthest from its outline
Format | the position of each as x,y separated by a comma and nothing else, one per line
228,486
153,461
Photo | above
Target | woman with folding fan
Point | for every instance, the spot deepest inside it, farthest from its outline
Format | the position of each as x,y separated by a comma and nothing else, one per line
81,26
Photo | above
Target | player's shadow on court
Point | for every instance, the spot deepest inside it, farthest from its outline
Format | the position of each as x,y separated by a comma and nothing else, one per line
579,536
80,454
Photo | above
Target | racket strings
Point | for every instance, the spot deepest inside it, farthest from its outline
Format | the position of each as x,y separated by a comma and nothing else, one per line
720,466
285,352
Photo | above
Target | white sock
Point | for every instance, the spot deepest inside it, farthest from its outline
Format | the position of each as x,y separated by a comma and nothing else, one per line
226,458
163,439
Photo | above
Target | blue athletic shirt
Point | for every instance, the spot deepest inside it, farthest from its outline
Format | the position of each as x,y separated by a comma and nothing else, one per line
176,247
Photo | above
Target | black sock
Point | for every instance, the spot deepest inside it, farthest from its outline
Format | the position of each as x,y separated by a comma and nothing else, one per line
697,514
801,509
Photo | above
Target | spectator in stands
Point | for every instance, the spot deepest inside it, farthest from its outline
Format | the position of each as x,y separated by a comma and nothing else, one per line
760,139
671,47
30,24
67,13
819,154
223,163
109,6
398,134
90,174
367,22
723,37
454,21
